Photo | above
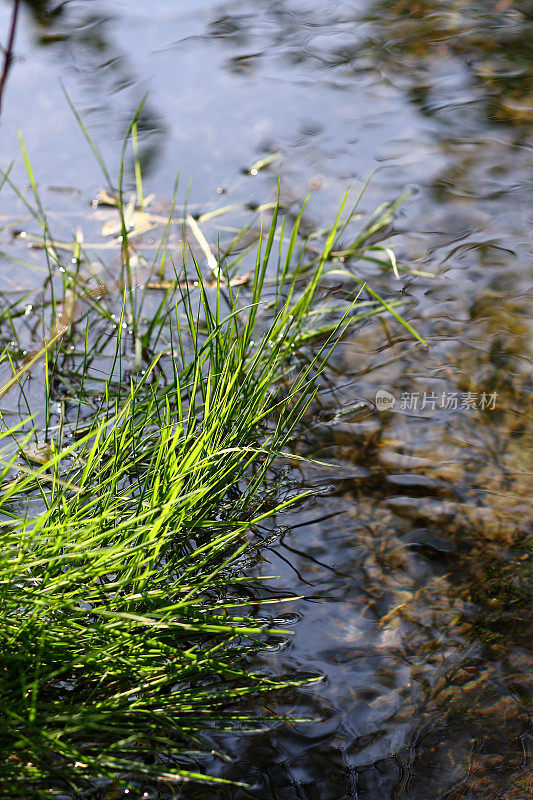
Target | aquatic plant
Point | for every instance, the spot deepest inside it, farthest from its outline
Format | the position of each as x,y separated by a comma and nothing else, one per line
129,503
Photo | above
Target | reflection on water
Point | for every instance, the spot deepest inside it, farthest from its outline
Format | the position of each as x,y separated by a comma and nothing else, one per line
488,46
415,558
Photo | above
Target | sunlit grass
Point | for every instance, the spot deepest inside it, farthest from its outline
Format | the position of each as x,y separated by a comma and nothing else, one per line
127,515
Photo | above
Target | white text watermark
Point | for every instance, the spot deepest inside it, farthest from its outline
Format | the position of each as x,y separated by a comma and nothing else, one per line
436,401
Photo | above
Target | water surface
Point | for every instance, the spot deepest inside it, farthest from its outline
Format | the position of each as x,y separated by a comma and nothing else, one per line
414,560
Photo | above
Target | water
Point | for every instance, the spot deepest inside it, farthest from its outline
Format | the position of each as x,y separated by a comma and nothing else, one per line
414,560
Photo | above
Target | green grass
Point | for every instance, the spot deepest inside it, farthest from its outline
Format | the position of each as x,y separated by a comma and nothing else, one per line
129,502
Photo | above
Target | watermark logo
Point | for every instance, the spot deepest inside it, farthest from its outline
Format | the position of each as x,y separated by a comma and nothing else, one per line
385,401
436,401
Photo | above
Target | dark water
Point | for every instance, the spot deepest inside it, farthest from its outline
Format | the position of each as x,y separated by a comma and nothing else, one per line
415,559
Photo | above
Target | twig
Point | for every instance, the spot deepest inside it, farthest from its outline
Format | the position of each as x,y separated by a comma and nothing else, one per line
8,50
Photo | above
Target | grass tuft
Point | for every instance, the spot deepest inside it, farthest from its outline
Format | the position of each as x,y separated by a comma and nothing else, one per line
129,501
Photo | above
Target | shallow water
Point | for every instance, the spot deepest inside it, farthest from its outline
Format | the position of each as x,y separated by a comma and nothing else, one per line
414,560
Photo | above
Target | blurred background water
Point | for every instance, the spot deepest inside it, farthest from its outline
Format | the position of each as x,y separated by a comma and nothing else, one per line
414,560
